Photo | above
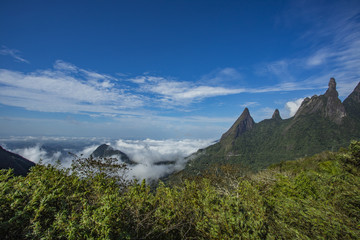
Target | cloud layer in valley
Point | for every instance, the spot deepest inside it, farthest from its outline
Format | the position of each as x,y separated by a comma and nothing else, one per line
154,158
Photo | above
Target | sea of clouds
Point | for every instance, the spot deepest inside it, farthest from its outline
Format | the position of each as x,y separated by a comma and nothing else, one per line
154,158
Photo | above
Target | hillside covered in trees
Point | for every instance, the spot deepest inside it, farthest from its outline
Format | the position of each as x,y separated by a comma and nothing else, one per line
315,197
322,123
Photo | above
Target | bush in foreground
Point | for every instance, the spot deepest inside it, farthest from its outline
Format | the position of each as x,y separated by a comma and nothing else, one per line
311,198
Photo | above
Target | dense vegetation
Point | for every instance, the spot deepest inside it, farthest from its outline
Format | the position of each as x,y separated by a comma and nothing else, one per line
311,198
322,123
274,140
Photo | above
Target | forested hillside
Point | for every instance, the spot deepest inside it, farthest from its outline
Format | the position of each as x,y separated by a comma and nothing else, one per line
315,197
321,123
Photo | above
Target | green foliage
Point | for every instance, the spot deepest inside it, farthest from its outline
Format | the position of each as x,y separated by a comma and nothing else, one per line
312,198
273,140
99,168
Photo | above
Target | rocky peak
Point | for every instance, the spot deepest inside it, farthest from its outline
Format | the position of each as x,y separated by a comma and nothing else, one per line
352,102
276,115
327,105
104,151
245,113
244,123
332,89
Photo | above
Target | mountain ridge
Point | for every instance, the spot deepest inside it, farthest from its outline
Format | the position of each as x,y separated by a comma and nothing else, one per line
19,164
321,123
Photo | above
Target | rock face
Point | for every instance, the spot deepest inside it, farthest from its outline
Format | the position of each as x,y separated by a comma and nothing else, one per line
244,123
327,105
276,115
105,150
20,165
352,103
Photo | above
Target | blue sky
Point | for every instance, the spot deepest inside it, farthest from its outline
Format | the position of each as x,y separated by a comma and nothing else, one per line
167,69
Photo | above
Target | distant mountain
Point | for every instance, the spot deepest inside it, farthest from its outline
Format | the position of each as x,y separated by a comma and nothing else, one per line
104,151
243,124
321,123
9,160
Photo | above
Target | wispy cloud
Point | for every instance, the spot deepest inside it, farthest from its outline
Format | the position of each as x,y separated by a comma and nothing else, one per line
13,53
174,92
65,88
221,76
248,104
318,58
334,43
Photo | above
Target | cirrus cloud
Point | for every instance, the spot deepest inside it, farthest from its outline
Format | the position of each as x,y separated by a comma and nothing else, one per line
13,53
65,88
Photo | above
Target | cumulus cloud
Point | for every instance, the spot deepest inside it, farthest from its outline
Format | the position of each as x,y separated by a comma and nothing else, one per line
293,106
13,53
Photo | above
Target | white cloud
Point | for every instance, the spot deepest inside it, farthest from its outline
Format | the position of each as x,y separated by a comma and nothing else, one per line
61,65
66,88
36,153
180,92
293,106
12,53
149,153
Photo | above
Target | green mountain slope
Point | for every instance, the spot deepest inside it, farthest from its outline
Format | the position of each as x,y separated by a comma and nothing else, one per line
9,160
321,123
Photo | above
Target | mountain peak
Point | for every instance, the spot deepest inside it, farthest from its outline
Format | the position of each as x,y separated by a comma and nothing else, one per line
244,123
20,164
327,105
332,88
276,114
245,113
105,150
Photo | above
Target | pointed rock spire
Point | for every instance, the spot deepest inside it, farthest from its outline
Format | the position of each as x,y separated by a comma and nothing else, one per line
244,123
327,105
332,89
276,115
